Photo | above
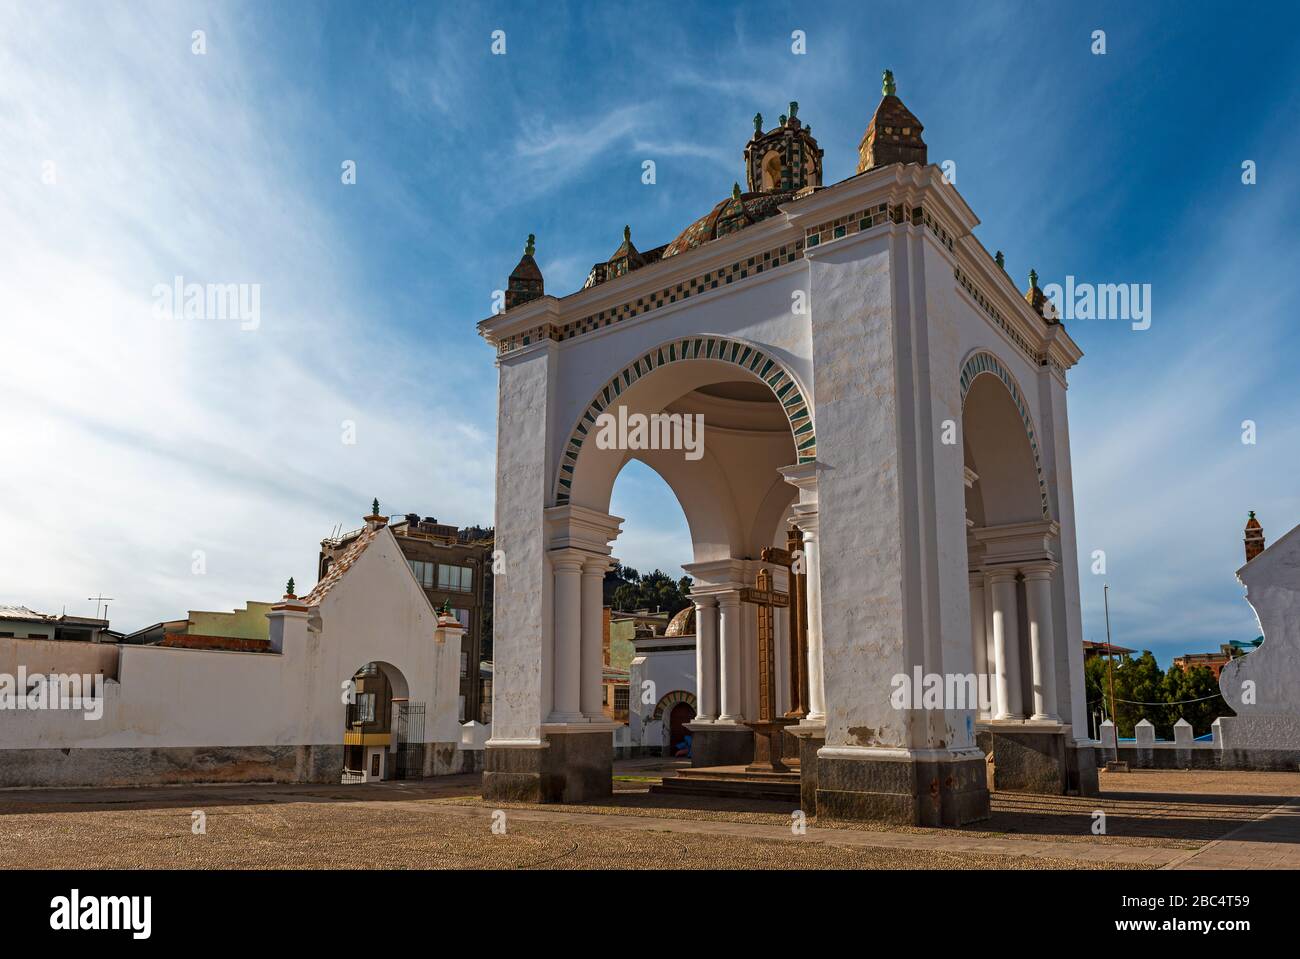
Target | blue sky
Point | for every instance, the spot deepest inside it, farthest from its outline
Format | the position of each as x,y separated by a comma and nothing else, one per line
134,445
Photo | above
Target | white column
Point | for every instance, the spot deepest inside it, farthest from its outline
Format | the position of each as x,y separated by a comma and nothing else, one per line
729,666
812,566
1038,602
593,638
706,658
567,565
979,642
1006,639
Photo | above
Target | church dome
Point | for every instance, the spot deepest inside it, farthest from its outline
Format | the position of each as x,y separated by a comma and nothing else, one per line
734,213
683,624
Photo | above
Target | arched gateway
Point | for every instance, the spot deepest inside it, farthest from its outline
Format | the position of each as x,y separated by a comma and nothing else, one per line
805,367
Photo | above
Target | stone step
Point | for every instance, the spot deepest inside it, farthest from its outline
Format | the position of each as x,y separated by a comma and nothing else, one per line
728,788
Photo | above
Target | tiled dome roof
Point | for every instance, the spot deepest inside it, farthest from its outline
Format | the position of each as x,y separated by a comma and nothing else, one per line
683,624
734,213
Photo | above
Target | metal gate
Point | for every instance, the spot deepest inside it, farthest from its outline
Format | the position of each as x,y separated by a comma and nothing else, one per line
408,720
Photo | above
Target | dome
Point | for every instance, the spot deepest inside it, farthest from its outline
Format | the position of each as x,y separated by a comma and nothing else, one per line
734,213
682,624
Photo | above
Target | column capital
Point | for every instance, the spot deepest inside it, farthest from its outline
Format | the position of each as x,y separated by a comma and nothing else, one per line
567,559
977,578
728,597
1001,574
597,565
704,600
1036,571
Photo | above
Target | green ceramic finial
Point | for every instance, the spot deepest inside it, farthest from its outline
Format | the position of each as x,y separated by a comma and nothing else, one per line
782,119
758,124
288,587
1252,514
627,234
1000,260
374,507
531,246
1033,279
887,86
735,191
445,608
794,109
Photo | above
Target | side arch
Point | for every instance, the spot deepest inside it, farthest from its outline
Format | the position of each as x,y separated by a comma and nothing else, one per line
785,387
982,362
672,699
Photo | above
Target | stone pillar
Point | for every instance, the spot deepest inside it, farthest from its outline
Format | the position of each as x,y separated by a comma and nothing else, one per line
1038,602
979,641
706,658
567,565
730,678
1006,629
812,566
592,694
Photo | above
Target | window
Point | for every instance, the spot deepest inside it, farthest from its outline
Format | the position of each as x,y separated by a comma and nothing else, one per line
365,709
457,578
620,699
423,572
462,709
464,664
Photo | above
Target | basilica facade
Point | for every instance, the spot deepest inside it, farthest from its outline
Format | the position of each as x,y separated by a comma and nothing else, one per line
883,490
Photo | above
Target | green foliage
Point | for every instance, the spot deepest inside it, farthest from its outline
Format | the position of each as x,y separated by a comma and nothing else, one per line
1140,680
627,590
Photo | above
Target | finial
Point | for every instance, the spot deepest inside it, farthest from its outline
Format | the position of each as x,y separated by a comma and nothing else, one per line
794,109
758,124
1033,279
627,234
887,85
288,587
530,246
374,507
445,608
1252,514
735,191
1000,260
782,118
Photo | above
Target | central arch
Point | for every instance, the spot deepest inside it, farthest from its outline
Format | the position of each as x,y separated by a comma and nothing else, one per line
750,361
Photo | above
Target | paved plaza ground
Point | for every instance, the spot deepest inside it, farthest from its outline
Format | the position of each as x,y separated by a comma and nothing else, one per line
1178,820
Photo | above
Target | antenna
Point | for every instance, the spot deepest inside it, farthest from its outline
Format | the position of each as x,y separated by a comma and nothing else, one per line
97,600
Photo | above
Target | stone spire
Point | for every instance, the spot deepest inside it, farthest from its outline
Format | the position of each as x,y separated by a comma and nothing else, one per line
894,133
526,279
1254,537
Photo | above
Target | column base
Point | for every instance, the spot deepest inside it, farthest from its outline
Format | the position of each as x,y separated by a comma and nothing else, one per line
721,744
566,767
810,737
916,788
1038,758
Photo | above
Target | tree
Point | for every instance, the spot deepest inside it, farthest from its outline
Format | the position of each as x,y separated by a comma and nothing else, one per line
627,590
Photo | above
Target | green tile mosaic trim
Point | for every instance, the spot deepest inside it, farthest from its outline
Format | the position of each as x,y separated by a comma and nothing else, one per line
982,362
994,314
769,370
712,280
862,220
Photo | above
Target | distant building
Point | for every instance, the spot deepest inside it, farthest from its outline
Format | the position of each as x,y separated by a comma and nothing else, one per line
19,622
666,661
454,566
1214,662
244,630
1091,649
617,660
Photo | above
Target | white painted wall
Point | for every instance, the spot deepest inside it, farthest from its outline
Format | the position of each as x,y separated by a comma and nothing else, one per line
186,697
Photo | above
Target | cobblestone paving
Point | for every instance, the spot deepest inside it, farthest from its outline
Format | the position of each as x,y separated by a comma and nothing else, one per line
1173,820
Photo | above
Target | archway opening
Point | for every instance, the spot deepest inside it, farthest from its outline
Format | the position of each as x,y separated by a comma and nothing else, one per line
383,731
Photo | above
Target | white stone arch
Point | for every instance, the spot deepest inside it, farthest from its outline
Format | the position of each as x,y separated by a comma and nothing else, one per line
981,366
692,361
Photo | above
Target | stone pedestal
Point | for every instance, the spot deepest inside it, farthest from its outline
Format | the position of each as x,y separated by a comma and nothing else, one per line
769,746
910,787
566,767
810,737
1038,758
721,744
